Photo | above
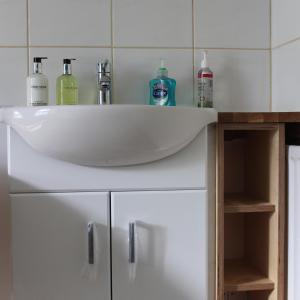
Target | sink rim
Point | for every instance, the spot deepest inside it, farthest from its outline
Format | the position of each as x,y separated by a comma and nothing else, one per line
21,123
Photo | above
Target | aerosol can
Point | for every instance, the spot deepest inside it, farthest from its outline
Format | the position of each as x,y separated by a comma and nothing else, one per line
205,84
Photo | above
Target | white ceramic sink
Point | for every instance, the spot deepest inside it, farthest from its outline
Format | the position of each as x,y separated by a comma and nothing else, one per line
112,135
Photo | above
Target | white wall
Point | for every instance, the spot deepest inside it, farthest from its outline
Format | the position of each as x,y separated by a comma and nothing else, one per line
134,34
285,55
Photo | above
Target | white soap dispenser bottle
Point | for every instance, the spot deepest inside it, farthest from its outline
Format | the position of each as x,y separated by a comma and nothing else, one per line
37,85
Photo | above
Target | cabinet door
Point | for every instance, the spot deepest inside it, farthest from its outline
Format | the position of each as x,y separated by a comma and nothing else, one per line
61,246
160,245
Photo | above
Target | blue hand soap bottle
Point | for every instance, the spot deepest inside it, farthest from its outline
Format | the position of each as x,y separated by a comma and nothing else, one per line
162,88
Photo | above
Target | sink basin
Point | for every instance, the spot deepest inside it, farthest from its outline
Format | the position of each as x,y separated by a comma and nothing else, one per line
112,135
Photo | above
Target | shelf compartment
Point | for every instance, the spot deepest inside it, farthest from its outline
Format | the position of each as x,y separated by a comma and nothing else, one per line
243,203
250,211
240,276
251,166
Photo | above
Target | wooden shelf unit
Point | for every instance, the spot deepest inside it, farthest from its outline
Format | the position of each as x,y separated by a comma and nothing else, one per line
250,211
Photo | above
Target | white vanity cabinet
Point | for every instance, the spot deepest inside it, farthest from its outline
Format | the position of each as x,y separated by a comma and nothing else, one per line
167,254
51,246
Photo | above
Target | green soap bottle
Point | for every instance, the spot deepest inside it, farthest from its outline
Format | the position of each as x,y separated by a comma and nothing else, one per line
66,86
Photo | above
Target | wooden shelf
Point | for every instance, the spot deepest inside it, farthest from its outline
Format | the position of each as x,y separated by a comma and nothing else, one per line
239,277
241,203
259,117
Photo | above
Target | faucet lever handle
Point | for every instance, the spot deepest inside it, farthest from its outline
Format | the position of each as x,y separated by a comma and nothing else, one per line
103,66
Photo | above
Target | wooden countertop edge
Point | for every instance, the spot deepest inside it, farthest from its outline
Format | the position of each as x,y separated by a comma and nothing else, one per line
259,117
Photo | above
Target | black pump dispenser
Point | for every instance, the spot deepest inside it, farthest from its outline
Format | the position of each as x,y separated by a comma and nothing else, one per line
37,64
38,59
67,65
68,60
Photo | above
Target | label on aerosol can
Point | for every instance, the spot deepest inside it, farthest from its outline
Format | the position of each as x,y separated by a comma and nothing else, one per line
205,88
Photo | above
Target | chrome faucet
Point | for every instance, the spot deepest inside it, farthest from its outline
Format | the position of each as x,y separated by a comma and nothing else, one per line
104,82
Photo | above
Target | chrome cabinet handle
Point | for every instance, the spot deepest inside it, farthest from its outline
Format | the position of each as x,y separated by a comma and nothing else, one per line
131,238
91,240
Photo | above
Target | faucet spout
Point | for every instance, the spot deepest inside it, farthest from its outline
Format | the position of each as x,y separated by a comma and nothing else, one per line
104,82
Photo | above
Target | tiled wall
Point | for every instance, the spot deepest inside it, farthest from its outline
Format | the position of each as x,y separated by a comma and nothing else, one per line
134,35
285,55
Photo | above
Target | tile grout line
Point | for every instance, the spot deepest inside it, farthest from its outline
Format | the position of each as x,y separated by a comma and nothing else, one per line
27,36
271,80
194,50
13,46
271,61
134,47
71,46
233,49
112,52
190,48
286,43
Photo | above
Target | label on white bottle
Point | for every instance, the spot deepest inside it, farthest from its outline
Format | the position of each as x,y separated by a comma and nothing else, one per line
37,90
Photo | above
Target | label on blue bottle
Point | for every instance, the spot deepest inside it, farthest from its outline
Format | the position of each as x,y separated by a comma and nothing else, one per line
160,91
